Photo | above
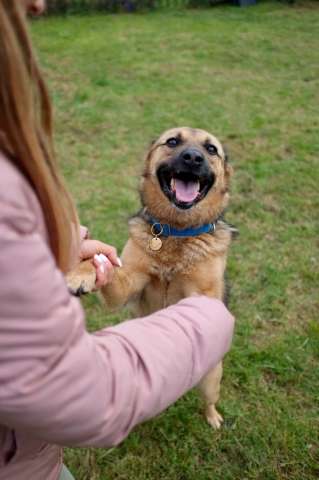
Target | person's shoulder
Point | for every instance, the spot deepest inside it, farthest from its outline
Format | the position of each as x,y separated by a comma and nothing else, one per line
9,173
13,185
19,206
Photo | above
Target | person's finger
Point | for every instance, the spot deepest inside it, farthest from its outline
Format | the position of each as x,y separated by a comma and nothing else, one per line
91,247
119,262
104,271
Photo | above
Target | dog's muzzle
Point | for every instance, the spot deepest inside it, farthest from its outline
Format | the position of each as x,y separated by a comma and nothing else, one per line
187,179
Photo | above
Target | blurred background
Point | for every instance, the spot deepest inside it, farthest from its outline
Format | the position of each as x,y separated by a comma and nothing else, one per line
63,6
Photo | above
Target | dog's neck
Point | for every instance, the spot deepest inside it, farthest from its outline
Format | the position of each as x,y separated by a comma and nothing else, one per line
166,230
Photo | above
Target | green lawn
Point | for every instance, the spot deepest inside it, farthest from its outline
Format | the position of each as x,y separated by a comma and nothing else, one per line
251,77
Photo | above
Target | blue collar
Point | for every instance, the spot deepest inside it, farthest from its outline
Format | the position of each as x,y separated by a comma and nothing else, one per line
168,231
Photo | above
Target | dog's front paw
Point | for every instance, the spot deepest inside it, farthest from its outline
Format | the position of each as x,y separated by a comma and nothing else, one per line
213,417
82,279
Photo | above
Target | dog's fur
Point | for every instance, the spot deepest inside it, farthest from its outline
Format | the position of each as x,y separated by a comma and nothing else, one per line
184,266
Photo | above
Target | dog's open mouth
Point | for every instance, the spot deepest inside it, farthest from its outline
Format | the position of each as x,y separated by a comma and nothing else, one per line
184,189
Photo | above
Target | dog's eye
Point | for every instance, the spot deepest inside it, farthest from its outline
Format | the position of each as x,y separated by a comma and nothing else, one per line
211,149
172,142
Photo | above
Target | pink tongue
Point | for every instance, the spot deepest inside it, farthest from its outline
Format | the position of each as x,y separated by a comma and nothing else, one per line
186,192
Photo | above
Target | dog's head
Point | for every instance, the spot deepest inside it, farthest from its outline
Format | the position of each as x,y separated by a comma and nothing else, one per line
186,177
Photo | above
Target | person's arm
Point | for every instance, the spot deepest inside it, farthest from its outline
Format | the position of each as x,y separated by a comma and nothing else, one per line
72,388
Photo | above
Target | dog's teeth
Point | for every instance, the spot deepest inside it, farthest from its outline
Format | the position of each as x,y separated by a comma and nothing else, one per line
173,184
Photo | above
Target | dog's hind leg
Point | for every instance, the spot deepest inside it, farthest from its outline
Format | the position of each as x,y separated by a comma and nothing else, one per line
210,388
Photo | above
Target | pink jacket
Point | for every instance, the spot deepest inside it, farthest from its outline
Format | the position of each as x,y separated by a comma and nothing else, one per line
60,385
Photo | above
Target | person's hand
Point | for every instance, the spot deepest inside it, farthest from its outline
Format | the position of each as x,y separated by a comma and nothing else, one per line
34,7
104,258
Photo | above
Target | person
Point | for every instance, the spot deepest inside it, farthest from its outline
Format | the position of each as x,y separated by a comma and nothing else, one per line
60,385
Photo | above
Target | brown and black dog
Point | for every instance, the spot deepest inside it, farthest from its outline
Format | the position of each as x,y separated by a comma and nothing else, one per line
178,242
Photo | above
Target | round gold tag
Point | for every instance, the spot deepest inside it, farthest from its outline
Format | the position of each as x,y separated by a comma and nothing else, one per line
155,244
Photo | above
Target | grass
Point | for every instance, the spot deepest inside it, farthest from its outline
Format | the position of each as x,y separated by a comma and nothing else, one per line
251,77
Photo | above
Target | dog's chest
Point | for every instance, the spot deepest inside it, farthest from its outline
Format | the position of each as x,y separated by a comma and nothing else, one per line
164,273
178,257
174,269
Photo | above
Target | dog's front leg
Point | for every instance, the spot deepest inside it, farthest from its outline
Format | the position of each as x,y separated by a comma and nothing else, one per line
128,281
125,286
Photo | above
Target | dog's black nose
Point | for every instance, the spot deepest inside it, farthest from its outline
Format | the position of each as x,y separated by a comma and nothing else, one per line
192,157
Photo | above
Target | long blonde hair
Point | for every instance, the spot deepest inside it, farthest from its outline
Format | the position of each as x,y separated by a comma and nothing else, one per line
26,128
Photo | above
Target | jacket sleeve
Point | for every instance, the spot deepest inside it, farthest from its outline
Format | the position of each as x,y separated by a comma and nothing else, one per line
69,387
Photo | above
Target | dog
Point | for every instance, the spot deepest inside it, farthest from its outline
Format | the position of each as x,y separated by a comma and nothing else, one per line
179,240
